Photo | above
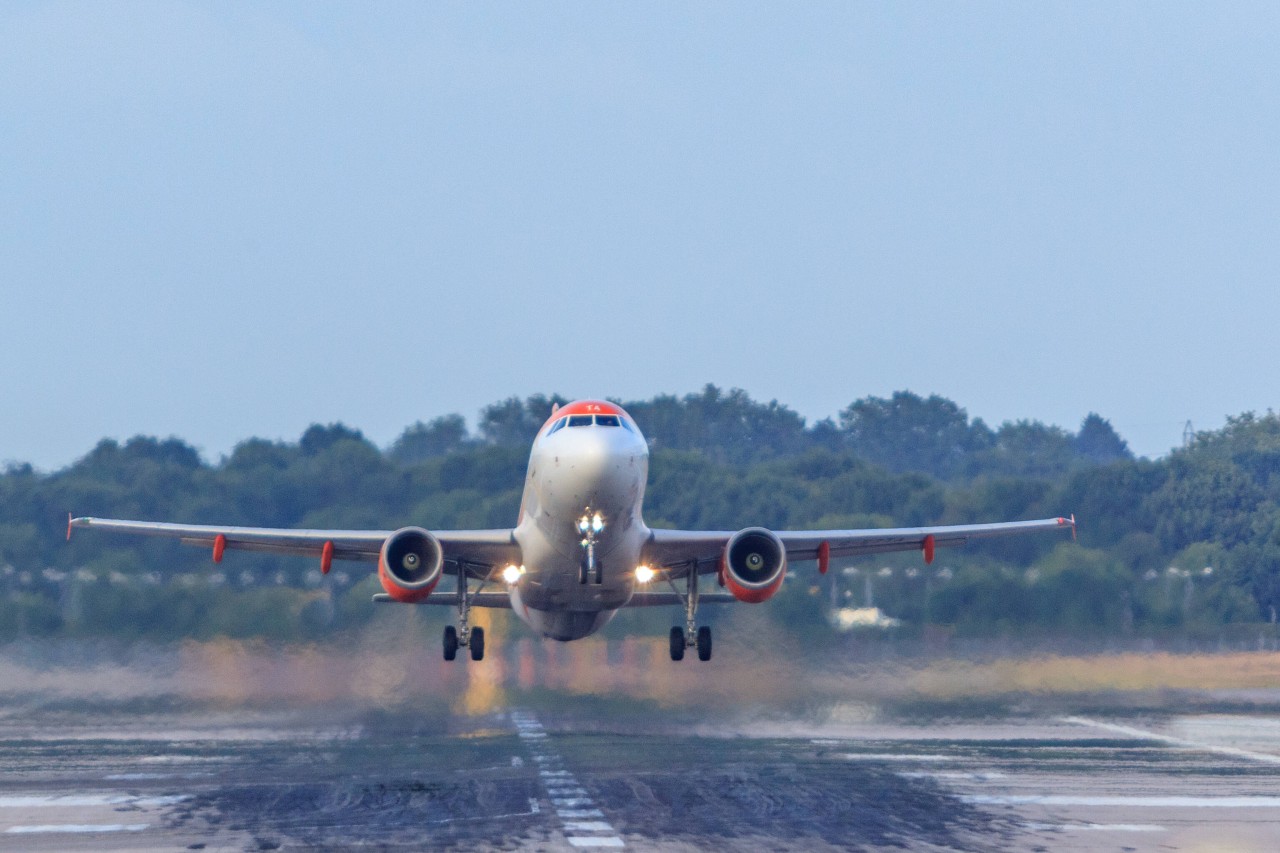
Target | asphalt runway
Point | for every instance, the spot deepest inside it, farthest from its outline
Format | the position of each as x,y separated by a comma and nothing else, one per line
222,747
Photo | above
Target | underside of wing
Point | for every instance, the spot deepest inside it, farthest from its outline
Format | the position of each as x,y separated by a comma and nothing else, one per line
678,551
468,547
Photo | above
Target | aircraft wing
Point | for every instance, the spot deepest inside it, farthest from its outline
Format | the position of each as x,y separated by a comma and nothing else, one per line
473,547
678,550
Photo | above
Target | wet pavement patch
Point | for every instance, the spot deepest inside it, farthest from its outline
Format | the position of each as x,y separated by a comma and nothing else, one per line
335,815
778,795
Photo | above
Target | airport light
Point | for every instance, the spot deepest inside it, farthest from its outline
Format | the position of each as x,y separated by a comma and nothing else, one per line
644,574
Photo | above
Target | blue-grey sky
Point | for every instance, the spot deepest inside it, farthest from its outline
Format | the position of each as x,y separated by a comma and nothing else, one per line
221,220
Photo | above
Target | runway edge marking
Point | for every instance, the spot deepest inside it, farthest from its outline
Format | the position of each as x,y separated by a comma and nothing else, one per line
582,823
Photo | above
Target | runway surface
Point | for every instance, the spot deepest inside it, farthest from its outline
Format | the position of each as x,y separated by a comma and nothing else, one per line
225,747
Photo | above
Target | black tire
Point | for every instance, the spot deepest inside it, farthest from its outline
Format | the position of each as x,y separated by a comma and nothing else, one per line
704,643
477,644
450,642
677,644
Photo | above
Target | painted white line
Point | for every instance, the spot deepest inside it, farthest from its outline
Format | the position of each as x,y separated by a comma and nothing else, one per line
595,841
1132,802
571,801
1103,827
79,827
58,800
1264,757
976,776
893,756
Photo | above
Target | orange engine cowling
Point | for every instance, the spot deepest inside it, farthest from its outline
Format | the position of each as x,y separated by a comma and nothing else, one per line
410,564
755,561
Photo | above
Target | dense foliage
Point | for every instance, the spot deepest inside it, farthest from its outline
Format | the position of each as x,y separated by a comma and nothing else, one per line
1190,540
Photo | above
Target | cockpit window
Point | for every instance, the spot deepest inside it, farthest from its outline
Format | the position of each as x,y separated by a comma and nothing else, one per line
628,427
607,420
559,425
579,420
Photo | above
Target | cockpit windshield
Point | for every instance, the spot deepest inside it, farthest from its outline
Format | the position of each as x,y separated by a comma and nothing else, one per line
590,420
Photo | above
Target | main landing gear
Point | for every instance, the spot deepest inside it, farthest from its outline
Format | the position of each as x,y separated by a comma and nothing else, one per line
692,635
464,635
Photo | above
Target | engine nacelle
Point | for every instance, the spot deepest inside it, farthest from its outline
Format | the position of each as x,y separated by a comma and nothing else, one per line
755,561
410,564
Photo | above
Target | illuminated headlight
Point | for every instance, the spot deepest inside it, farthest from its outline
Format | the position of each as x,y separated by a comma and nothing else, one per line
644,574
511,574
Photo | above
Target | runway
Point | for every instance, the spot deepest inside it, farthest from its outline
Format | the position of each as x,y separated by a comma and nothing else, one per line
474,763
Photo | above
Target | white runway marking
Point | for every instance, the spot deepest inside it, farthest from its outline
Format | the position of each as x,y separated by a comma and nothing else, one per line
62,800
79,827
1264,757
893,756
1104,827
595,841
583,824
1132,802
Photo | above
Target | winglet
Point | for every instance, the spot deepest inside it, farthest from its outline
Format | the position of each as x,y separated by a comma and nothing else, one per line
68,527
1073,527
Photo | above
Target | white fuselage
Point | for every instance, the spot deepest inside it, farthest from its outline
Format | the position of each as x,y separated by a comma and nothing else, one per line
581,466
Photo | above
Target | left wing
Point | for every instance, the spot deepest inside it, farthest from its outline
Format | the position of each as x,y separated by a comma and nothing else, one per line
679,550
470,547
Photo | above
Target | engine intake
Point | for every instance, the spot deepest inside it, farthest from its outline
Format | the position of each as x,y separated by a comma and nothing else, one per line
755,561
410,564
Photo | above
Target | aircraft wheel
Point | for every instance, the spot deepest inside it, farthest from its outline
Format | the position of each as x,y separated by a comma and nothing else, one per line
450,642
677,644
477,644
704,643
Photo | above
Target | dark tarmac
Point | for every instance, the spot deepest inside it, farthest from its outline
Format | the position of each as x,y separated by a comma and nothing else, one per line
222,747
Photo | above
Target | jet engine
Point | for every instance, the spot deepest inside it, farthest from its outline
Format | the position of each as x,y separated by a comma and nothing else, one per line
410,564
755,562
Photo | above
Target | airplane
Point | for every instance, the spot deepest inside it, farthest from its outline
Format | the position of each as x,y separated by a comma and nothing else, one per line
580,550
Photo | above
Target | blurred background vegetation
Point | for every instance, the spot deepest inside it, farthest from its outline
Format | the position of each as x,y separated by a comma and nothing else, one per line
1188,544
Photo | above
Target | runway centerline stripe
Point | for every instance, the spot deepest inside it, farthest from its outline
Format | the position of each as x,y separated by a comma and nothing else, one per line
582,823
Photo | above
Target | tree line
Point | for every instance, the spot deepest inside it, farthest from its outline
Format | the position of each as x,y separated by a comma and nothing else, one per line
1190,541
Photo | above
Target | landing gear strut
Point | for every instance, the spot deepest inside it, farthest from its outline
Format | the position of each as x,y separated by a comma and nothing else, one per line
590,570
692,635
464,635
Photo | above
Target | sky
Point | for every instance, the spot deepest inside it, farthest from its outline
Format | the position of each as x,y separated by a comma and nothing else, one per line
224,220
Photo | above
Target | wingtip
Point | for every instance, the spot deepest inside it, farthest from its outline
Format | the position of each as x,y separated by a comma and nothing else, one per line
68,527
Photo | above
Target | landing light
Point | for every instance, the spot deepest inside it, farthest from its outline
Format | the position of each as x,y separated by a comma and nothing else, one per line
597,523
511,574
644,574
